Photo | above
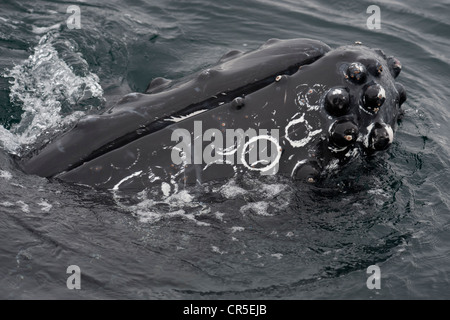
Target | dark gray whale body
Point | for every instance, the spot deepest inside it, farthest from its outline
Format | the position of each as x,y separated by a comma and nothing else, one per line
312,109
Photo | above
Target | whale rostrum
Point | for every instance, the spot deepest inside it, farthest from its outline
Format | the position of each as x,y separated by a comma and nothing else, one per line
292,107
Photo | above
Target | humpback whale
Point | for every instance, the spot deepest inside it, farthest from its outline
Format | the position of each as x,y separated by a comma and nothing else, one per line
292,107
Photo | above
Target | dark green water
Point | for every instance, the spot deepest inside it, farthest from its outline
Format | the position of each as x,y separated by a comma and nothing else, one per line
252,239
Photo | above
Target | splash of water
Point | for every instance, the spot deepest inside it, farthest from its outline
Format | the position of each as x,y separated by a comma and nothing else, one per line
149,209
169,201
49,93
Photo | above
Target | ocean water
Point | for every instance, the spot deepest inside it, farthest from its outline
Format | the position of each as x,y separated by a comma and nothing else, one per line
251,238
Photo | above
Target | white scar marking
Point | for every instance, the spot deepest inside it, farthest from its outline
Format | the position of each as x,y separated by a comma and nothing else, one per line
254,139
337,91
381,93
390,132
304,141
296,166
116,187
181,118
365,139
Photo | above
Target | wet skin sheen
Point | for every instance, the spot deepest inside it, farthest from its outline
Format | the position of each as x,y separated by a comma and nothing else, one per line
326,106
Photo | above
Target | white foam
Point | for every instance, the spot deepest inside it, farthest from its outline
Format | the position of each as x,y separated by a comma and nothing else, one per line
272,190
236,229
217,250
146,210
219,215
23,206
45,206
379,192
147,216
41,84
333,165
6,204
230,190
182,197
5,175
165,188
42,30
260,208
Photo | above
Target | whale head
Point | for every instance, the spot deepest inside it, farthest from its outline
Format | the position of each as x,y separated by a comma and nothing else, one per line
292,107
